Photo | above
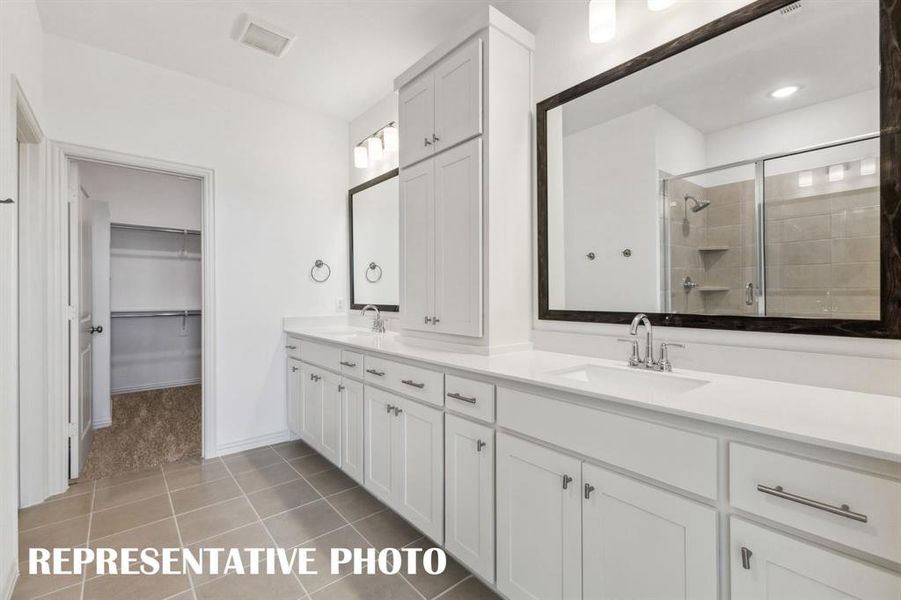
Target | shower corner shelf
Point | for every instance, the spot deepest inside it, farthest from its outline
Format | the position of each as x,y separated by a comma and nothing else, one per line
713,248
712,288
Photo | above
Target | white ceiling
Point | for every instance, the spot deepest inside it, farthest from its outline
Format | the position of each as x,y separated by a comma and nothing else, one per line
831,49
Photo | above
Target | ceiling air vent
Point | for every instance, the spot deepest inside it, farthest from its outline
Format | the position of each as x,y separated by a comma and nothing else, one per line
263,36
791,9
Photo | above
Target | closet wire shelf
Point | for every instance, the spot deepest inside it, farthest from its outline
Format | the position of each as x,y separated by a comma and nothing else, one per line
156,229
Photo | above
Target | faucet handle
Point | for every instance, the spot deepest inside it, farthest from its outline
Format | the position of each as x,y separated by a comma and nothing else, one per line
664,363
635,359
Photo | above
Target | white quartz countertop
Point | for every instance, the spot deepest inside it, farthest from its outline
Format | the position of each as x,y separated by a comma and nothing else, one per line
866,424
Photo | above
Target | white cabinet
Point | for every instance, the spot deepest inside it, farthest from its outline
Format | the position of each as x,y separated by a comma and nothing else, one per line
295,397
770,566
352,427
469,494
443,106
640,542
405,459
320,411
441,224
311,406
539,537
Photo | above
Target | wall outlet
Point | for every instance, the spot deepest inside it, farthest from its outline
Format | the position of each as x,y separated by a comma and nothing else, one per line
339,304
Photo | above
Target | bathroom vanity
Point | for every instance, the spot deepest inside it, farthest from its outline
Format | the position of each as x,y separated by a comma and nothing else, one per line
561,476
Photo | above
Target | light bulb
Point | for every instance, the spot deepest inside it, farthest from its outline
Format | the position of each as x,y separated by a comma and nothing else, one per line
836,172
655,5
374,145
361,157
867,166
784,92
391,138
601,20
805,179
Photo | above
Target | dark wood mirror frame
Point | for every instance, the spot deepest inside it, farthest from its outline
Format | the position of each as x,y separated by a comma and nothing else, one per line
889,325
350,237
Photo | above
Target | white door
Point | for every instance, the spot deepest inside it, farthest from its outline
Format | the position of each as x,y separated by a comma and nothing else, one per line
416,115
469,494
311,418
380,450
458,240
771,566
330,446
420,433
639,542
295,397
352,428
418,246
458,96
539,502
81,379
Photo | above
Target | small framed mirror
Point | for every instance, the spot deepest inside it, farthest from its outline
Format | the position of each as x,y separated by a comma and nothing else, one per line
373,210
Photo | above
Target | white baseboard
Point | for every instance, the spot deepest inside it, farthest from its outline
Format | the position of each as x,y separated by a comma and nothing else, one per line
9,582
251,443
155,386
101,423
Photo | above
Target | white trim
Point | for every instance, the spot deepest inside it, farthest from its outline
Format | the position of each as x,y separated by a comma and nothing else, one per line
254,442
13,578
101,423
155,386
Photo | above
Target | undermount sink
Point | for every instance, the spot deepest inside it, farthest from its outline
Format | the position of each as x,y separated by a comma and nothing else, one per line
623,379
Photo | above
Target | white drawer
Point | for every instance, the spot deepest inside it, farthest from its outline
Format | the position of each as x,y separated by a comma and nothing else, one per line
322,355
468,397
292,347
756,474
680,458
351,364
416,382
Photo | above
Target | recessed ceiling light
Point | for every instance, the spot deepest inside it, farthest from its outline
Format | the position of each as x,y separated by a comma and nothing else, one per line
785,92
656,5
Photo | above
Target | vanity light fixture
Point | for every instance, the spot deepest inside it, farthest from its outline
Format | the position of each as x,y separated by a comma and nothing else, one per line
805,179
374,145
836,172
867,166
391,138
601,20
784,92
361,157
658,5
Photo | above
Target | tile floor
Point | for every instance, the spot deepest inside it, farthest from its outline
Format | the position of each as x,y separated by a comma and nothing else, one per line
285,495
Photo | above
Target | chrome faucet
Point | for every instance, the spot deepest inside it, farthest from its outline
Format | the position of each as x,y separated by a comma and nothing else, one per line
642,319
378,324
648,362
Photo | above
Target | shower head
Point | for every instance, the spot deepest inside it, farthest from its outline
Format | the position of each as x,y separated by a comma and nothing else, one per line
696,205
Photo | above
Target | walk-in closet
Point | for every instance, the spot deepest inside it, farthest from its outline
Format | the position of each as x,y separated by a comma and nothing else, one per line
145,274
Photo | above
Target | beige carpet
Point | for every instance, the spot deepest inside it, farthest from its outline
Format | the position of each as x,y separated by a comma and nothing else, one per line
149,428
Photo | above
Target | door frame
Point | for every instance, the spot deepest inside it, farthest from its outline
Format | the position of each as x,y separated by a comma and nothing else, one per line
61,270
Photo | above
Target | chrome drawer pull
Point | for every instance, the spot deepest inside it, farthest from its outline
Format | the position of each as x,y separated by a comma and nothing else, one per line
566,481
461,397
746,558
479,445
377,373
348,364
412,383
843,511
291,347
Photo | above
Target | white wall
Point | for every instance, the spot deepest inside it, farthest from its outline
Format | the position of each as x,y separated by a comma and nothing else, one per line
21,54
280,188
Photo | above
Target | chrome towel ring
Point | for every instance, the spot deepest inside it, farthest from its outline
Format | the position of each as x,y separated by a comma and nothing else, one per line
372,269
317,268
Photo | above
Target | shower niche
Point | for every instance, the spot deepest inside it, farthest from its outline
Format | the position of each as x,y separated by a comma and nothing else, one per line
740,177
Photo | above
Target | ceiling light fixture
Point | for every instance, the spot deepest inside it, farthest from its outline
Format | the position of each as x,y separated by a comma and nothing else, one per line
658,5
391,138
374,146
784,92
601,20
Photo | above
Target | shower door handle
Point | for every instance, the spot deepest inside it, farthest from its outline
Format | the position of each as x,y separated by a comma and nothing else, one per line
749,294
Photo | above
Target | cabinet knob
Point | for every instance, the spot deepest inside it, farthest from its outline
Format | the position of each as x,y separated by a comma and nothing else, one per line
479,445
397,411
341,387
427,320
746,558
435,320
294,369
588,489
388,408
291,347
566,481
435,138
427,141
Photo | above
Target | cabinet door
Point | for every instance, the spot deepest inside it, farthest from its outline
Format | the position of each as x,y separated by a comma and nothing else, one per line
295,397
469,494
458,240
352,428
379,454
458,96
312,406
420,468
539,543
416,115
331,417
780,567
640,542
418,246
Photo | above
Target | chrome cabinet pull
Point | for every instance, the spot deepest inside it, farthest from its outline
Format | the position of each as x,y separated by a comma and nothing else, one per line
427,320
7,201
314,377
435,138
566,481
397,411
348,364
388,408
412,383
746,558
843,511
376,373
461,397
426,141
435,320
341,387
588,489
749,294
479,445
291,347
293,369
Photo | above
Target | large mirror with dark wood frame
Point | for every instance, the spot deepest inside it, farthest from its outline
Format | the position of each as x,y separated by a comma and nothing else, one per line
373,211
743,176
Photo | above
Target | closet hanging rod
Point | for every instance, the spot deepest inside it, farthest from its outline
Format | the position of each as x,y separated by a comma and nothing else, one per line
153,313
152,228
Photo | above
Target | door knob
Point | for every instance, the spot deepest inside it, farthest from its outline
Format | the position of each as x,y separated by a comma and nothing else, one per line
97,329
